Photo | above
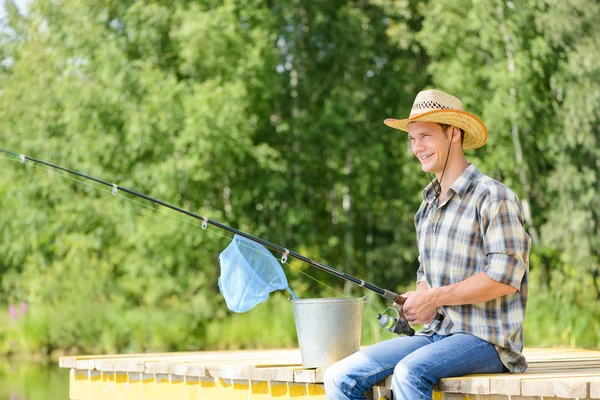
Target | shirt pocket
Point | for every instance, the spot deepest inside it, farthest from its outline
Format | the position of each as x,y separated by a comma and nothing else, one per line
465,252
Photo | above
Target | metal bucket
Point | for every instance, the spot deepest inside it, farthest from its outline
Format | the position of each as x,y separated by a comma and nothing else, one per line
328,329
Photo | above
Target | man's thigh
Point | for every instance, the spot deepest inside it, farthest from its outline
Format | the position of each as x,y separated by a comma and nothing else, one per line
455,355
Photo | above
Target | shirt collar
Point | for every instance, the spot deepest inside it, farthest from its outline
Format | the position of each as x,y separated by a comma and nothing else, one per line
460,185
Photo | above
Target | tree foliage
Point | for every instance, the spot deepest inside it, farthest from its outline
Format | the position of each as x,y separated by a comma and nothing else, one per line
267,116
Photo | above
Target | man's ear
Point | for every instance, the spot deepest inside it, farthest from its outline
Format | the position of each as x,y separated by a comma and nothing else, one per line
455,133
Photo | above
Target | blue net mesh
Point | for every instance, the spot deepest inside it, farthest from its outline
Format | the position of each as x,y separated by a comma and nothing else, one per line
249,273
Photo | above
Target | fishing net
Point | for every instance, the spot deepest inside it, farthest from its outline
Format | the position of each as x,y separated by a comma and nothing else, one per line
249,273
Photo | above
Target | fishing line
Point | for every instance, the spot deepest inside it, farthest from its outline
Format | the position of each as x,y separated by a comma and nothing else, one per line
152,207
50,169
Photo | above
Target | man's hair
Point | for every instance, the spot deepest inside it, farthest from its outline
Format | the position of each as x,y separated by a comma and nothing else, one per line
445,128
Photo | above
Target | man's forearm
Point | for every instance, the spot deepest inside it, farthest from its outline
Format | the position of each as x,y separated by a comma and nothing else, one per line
478,288
421,286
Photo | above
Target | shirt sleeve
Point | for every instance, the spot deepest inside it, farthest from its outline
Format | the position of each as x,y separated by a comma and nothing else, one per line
506,242
420,273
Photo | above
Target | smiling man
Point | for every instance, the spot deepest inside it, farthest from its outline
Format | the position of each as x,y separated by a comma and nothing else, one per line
471,288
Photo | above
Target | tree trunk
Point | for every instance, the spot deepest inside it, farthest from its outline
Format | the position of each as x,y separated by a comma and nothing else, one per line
520,164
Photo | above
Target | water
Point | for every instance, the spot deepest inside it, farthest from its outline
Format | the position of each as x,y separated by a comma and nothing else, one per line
30,381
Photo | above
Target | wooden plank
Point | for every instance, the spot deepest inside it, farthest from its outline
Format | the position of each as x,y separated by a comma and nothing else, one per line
510,384
87,361
383,389
305,376
595,388
533,351
231,369
130,365
320,374
506,384
237,371
538,387
583,360
552,372
69,361
107,364
572,388
536,357
190,369
560,366
531,354
472,384
85,364
309,375
167,364
275,374
526,398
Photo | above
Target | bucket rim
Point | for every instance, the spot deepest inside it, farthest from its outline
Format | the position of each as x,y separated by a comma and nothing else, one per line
329,300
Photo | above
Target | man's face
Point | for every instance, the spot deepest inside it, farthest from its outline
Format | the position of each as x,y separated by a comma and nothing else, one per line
429,143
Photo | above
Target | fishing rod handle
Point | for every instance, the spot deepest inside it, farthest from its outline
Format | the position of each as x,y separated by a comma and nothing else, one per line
393,297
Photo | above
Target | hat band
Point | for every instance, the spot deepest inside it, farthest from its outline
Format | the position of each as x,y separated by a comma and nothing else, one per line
429,105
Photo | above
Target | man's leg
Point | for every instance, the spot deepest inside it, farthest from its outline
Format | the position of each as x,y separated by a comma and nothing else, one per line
453,355
351,377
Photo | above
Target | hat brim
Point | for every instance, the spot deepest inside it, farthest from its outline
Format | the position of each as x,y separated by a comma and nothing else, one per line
476,133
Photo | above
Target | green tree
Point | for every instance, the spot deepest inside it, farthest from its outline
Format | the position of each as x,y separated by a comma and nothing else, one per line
264,116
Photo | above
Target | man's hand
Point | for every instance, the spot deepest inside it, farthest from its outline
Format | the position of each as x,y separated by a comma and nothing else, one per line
419,307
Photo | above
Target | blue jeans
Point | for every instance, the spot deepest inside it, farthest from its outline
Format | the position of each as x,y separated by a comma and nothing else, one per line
416,362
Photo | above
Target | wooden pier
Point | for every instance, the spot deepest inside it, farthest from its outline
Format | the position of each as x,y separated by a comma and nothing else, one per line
278,374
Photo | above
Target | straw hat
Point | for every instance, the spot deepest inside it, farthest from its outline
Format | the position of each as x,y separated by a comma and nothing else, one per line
443,108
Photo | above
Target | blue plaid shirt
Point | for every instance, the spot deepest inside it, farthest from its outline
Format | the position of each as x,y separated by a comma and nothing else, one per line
479,227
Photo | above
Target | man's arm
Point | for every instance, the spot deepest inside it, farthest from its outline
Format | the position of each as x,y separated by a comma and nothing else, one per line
507,247
421,286
478,288
420,305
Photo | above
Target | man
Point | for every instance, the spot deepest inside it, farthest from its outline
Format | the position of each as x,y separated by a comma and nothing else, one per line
473,264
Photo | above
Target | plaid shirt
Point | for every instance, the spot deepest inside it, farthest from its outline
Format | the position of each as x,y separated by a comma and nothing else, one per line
479,227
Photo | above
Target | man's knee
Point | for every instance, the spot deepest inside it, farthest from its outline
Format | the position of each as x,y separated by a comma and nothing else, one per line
411,373
340,381
412,381
331,375
402,374
334,376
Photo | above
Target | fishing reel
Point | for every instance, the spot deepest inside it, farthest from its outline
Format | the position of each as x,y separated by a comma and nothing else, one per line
398,324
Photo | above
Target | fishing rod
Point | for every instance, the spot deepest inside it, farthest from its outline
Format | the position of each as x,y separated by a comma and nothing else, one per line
399,325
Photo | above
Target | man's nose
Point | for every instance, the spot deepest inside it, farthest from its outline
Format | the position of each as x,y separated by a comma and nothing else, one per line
417,145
